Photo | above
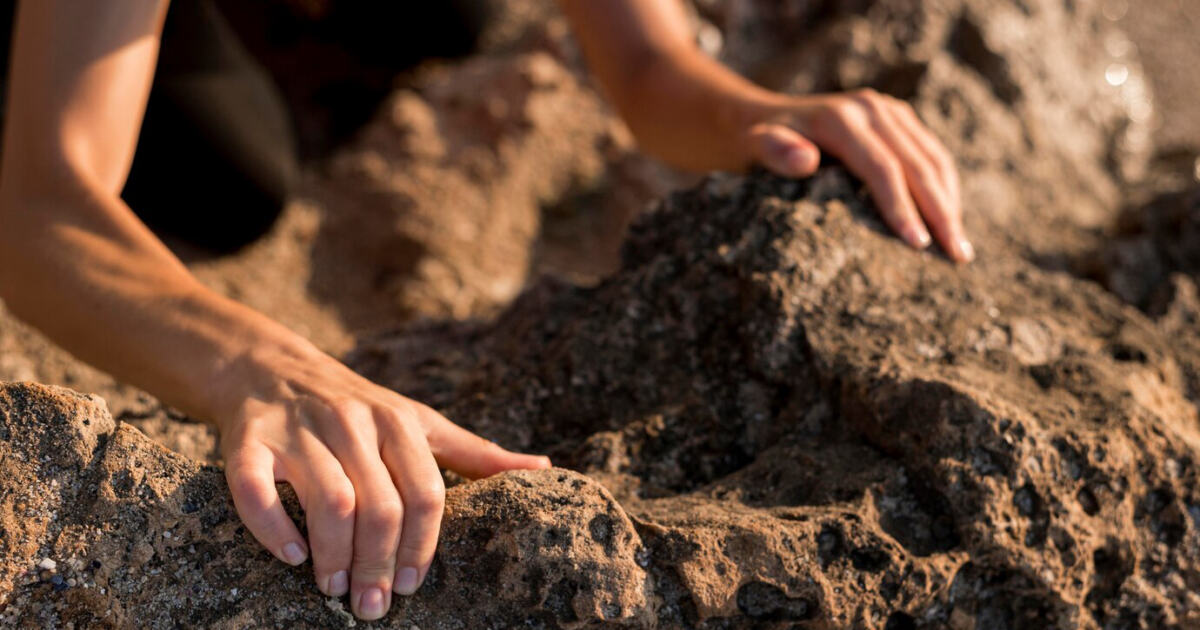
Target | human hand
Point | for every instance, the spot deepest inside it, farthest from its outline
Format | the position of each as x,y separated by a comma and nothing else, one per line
911,175
363,461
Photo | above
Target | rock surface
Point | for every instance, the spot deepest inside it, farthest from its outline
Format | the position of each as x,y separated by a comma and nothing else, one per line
1016,90
777,416
799,420
807,421
102,527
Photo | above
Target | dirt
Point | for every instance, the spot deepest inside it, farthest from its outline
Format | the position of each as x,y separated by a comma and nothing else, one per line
767,412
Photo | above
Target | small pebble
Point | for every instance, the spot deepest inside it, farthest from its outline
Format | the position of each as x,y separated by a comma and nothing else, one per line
47,564
1174,468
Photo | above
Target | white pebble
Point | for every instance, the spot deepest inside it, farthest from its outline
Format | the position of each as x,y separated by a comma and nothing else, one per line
47,564
1174,468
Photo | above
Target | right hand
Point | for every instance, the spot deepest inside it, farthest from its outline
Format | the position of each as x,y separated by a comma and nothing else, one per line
912,177
363,461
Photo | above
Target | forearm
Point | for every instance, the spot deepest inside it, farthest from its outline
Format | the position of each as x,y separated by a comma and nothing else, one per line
683,106
107,291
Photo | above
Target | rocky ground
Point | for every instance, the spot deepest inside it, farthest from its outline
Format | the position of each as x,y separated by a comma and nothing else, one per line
768,412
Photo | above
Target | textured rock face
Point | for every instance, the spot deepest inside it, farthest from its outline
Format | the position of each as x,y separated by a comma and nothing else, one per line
1158,244
783,418
807,421
801,424
104,528
1016,89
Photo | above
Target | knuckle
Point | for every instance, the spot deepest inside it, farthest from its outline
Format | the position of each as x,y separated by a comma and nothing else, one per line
250,491
886,168
866,93
429,499
926,173
397,415
869,100
347,409
412,550
840,112
372,565
340,501
383,514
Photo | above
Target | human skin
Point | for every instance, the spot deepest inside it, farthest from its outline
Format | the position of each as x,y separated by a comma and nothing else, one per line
692,112
364,461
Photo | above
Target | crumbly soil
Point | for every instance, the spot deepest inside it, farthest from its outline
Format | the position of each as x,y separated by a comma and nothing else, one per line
766,411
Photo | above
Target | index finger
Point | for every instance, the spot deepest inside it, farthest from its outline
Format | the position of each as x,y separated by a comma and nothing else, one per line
869,157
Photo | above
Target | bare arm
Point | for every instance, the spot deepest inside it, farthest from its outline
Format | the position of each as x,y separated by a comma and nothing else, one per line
691,111
77,263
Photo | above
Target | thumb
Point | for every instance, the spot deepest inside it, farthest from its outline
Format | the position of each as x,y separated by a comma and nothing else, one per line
782,150
472,456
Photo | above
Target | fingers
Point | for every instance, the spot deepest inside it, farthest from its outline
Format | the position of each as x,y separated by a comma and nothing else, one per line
910,174
949,232
423,493
250,472
783,150
378,510
329,507
934,148
369,484
470,455
926,183
847,132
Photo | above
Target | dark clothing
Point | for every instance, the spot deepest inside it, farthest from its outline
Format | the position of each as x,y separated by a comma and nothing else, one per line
216,157
218,153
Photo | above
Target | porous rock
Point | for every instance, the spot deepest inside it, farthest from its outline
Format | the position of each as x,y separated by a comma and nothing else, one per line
141,537
809,422
799,420
1020,91
785,417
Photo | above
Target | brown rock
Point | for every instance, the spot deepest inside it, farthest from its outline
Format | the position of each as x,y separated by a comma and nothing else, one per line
786,418
804,421
1016,90
142,537
792,409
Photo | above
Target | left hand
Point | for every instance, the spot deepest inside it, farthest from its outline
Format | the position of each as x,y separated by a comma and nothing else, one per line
911,175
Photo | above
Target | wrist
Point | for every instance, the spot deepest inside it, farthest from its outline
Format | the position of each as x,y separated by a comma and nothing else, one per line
694,113
256,370
247,361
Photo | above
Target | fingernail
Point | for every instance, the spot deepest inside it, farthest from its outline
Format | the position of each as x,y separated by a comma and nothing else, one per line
918,237
406,581
370,604
339,583
966,251
293,554
798,158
